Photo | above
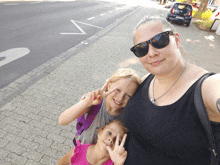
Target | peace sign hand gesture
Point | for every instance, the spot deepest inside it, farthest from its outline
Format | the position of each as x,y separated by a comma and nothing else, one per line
118,154
95,97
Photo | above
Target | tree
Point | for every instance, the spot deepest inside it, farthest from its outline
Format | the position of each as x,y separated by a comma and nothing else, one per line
203,5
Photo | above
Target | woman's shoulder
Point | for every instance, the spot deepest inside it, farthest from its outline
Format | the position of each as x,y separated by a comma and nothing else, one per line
211,96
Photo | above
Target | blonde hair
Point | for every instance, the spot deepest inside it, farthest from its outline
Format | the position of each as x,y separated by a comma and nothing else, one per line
126,73
165,24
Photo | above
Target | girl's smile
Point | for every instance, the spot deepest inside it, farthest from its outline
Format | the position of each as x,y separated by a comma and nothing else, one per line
117,100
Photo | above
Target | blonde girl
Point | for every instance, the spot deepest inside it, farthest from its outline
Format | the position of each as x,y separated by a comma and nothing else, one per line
114,96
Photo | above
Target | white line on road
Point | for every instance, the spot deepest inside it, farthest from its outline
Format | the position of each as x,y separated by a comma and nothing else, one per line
102,14
90,18
12,54
82,31
89,24
11,4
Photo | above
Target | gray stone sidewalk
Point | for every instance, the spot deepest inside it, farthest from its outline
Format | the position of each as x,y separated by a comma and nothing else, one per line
29,129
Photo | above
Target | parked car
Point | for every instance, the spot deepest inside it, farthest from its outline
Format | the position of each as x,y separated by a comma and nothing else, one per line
212,7
181,13
216,14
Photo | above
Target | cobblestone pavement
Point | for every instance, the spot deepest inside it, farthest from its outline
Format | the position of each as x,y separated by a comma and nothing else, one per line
30,107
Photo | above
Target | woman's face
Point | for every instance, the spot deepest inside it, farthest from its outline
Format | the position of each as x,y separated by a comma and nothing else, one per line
125,88
107,136
158,61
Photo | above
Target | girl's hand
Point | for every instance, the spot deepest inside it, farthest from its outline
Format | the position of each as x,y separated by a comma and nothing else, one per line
95,97
118,155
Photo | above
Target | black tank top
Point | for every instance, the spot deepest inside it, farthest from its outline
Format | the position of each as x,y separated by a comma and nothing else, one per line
168,135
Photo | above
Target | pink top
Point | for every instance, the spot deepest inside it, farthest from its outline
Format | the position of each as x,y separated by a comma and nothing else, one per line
79,157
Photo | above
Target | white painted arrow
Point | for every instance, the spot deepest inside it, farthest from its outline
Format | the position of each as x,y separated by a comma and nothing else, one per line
12,54
82,31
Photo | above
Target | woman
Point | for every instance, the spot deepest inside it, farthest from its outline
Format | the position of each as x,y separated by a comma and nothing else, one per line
163,124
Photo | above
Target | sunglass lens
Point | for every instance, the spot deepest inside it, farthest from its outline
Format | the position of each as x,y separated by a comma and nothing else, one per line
140,50
161,40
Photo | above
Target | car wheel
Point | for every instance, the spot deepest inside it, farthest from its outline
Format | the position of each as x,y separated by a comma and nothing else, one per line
187,24
168,19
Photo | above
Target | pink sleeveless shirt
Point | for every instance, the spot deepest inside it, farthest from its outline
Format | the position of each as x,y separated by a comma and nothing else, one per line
79,157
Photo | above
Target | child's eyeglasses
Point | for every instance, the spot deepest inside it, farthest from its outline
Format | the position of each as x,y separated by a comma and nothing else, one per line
159,41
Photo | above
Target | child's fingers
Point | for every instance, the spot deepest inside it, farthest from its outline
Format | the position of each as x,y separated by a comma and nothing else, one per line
105,86
109,150
124,155
109,92
123,140
117,140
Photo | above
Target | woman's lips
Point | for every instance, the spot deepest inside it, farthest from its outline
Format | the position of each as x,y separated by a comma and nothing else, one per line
156,63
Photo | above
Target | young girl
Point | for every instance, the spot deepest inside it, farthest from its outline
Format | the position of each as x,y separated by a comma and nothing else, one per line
114,95
108,150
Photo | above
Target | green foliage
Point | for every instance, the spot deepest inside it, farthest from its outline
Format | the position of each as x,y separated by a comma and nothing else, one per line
183,1
203,15
205,23
194,11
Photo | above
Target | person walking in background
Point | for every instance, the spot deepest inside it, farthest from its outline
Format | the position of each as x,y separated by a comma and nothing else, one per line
164,127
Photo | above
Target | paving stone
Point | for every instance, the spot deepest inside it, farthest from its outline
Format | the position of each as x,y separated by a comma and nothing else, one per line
55,137
39,131
15,148
3,154
49,121
48,160
29,144
37,124
3,162
2,133
10,128
31,162
34,116
52,129
13,138
16,159
3,142
43,141
32,155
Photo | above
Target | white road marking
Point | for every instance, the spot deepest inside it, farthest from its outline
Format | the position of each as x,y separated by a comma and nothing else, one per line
11,4
90,18
102,14
110,11
82,31
13,54
89,24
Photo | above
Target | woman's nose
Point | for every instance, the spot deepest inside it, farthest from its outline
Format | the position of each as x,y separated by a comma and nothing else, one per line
152,51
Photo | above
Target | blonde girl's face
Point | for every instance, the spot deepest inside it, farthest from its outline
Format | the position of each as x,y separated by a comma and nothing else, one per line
125,88
108,135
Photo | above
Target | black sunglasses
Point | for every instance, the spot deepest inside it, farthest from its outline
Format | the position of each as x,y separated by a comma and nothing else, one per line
159,41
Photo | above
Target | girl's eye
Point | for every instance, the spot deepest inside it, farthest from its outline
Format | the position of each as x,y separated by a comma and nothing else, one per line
128,96
118,90
109,133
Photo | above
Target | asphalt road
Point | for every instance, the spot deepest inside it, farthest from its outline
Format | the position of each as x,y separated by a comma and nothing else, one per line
32,33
